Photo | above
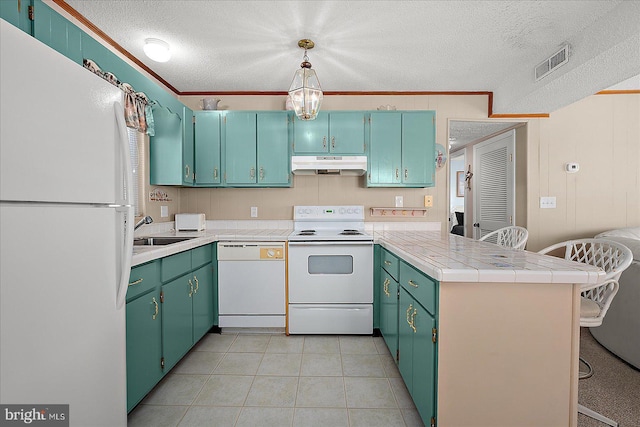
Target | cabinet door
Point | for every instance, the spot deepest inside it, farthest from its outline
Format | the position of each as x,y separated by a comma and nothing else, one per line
16,12
240,148
389,311
311,136
424,365
385,148
165,148
144,349
405,338
273,148
418,148
347,132
188,175
177,319
207,147
202,301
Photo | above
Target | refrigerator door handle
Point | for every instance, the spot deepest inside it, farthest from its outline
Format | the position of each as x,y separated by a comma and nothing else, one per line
126,208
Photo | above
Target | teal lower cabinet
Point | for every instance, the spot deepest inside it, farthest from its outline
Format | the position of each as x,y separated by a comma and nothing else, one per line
417,354
177,319
187,301
170,307
408,323
203,301
144,332
389,312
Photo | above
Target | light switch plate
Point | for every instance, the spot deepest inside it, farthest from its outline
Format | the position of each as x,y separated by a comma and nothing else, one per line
254,212
164,211
548,202
399,201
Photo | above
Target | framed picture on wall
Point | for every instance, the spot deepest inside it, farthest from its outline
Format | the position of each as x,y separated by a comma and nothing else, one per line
460,183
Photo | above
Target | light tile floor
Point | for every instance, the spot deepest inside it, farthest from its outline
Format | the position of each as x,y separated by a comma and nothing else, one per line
275,380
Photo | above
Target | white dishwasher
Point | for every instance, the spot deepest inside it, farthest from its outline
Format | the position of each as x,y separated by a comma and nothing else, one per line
251,285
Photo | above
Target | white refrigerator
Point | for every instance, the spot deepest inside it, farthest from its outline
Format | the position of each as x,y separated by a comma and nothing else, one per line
66,234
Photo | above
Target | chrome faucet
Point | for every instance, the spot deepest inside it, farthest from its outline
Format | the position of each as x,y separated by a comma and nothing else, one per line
143,221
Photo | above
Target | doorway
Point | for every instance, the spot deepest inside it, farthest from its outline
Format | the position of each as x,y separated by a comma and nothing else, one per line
463,136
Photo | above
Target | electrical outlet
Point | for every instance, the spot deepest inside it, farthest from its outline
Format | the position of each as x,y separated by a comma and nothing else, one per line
547,202
399,201
428,201
254,212
164,211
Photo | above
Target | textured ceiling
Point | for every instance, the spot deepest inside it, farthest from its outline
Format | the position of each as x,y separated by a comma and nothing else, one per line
492,46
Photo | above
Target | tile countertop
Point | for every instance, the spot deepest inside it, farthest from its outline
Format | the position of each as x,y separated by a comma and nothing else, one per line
446,258
452,258
142,254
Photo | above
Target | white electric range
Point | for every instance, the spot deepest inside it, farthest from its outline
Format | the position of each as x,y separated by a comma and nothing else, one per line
330,266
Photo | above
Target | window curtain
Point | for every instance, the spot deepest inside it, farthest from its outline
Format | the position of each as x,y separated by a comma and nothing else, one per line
137,107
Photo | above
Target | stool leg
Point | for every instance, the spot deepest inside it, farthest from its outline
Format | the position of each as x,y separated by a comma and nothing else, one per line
593,414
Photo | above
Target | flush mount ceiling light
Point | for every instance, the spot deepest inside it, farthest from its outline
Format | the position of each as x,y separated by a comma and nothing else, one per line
305,91
157,50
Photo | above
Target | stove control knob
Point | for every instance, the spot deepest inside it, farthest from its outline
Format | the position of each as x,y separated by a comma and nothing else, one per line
341,211
307,211
357,211
349,211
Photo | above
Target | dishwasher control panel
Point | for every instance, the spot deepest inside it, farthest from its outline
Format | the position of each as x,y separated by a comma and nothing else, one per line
251,251
271,253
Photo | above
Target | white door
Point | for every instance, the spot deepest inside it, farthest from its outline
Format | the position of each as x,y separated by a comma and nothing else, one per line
494,184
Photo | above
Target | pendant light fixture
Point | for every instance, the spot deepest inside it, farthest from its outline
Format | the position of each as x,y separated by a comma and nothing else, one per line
305,91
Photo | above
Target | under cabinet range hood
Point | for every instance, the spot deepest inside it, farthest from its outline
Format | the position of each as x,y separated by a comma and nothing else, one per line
329,165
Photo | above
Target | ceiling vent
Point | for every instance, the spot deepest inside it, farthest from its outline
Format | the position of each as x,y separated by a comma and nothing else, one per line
553,62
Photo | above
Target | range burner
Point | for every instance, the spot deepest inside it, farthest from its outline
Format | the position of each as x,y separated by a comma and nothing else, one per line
349,232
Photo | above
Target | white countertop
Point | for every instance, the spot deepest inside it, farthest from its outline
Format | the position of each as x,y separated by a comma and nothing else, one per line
446,258
452,258
142,254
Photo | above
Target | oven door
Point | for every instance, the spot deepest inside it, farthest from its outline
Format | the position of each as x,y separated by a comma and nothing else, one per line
330,272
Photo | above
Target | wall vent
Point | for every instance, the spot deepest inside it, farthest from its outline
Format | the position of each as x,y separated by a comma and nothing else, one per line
556,60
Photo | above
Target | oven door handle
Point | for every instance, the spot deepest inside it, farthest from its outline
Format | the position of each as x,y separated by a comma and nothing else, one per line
333,243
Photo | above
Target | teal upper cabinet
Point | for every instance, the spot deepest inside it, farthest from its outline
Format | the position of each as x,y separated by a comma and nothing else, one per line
341,132
188,176
240,148
56,31
272,149
385,148
418,148
207,148
401,149
256,149
16,12
165,148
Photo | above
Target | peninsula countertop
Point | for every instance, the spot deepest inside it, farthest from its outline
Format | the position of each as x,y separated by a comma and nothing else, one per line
444,257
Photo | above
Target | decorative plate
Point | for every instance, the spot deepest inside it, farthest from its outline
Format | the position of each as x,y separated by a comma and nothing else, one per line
441,156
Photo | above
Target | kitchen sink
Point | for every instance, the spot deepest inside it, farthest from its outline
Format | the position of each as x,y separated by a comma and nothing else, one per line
158,241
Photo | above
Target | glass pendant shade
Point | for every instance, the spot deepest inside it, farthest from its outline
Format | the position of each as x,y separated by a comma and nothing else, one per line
306,93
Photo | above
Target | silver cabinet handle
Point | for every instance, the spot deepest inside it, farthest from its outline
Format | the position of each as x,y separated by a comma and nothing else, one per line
412,283
195,291
324,142
252,173
190,288
261,173
333,142
186,171
215,173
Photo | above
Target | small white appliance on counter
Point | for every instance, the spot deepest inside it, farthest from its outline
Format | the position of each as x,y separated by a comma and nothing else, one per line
66,228
190,222
330,266
251,286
